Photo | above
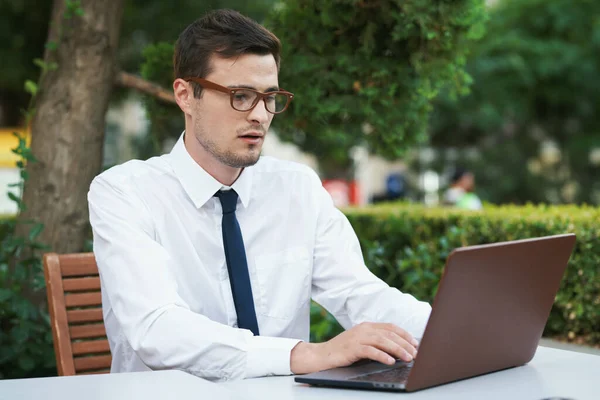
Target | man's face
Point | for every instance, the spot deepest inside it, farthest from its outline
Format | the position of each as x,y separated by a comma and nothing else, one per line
231,137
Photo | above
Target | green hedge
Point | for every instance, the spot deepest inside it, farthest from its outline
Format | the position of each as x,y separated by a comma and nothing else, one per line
407,245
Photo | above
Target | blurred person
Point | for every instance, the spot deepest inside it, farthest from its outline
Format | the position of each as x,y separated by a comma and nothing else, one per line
461,193
209,256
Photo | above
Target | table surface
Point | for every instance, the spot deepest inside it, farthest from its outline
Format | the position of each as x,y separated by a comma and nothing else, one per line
551,374
155,385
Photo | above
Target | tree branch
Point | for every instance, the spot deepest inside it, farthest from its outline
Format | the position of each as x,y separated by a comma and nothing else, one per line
131,81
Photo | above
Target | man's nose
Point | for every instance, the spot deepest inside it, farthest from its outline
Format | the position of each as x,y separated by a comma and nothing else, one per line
259,113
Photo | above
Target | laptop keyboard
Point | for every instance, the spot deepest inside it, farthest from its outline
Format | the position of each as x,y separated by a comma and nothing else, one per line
395,375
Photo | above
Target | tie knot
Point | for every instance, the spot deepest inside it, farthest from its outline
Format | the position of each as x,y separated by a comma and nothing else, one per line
228,200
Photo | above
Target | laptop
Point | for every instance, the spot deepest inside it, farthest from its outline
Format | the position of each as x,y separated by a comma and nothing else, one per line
489,313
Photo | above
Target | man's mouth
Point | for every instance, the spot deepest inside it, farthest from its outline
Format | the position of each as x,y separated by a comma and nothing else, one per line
252,137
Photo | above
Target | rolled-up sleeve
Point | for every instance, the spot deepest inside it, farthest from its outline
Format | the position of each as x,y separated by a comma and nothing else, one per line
143,295
346,287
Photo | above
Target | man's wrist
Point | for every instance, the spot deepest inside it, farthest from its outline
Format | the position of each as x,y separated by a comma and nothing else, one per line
305,358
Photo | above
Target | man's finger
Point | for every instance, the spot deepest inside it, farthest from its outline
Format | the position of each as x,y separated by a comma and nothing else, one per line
400,341
372,353
392,348
398,331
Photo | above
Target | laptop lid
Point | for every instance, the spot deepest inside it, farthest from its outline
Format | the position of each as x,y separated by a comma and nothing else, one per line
489,313
490,309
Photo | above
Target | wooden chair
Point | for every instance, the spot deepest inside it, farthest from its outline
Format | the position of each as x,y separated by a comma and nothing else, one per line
75,304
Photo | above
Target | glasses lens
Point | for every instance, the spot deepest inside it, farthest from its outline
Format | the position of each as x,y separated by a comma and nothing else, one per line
243,100
281,101
276,102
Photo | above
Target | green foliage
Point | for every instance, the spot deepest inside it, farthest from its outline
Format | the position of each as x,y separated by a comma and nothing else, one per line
23,31
323,326
73,8
147,22
407,246
536,79
366,73
166,119
25,337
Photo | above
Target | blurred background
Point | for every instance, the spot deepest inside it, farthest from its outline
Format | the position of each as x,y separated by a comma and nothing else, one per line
466,104
524,123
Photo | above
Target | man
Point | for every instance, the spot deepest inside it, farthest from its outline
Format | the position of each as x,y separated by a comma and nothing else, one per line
461,194
209,256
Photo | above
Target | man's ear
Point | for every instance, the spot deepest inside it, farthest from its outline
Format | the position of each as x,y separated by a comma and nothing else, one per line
184,94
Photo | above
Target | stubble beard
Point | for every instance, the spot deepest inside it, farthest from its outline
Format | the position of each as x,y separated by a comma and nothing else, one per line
228,157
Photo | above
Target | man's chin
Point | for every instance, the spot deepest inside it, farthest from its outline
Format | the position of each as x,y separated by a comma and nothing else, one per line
243,162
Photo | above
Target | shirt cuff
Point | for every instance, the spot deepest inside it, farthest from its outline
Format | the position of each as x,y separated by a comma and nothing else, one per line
269,356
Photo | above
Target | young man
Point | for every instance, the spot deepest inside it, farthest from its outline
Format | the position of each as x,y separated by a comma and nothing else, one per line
209,256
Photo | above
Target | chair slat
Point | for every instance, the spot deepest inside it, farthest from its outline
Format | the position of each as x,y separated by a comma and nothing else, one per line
81,284
87,331
87,315
78,265
83,299
94,362
100,371
90,347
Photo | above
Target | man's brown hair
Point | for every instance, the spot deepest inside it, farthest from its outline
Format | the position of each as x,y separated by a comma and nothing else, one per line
226,33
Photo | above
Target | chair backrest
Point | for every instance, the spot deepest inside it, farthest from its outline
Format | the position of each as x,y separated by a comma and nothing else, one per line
75,305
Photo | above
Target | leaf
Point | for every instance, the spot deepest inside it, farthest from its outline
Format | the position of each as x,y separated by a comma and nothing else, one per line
40,63
39,246
31,87
3,268
5,294
22,308
51,45
14,197
35,231
26,362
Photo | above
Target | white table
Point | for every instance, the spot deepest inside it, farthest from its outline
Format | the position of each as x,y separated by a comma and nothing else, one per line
552,373
156,385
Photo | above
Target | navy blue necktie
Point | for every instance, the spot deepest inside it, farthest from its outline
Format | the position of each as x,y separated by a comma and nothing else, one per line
237,266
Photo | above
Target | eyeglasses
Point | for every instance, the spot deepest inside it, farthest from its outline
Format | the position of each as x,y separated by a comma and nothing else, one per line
246,99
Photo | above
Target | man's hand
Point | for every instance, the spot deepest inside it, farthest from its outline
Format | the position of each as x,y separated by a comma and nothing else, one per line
380,342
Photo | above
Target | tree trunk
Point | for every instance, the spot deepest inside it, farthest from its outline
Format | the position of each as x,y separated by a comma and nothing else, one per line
68,125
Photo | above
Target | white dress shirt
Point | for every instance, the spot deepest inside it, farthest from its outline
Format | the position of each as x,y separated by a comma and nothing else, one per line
166,298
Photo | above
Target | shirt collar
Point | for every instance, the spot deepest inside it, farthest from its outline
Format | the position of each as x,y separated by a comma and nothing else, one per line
198,183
